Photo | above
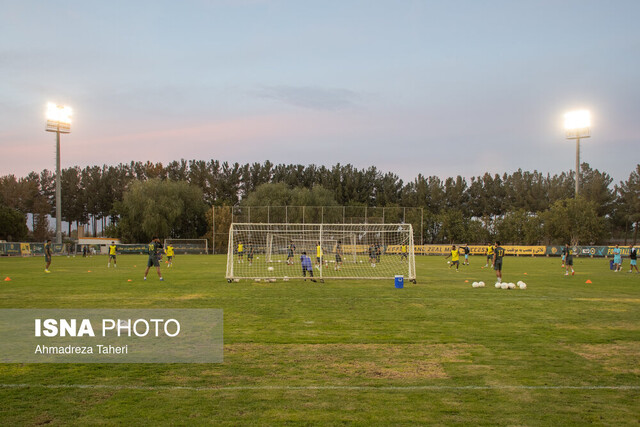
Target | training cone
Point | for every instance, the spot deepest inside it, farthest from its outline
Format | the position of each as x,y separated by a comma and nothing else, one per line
134,266
525,274
588,281
88,271
7,279
466,281
128,280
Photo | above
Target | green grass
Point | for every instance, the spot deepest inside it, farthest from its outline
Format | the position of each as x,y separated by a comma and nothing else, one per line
561,352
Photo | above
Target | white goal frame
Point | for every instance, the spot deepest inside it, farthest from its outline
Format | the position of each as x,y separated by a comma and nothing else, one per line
268,246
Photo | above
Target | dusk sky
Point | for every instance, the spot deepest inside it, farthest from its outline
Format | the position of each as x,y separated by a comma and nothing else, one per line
434,87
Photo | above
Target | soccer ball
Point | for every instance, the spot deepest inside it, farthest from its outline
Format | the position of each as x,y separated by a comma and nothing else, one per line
270,268
511,285
285,279
257,280
236,280
481,284
522,285
272,280
498,285
504,286
448,262
474,285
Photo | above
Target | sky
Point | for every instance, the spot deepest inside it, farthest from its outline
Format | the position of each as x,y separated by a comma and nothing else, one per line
446,88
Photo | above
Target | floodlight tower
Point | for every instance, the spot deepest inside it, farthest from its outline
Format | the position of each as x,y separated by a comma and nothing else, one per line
577,124
58,121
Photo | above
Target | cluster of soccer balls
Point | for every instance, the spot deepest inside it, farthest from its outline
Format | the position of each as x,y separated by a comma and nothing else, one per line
505,285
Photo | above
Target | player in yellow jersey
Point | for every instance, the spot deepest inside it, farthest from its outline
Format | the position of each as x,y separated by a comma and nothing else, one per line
112,255
489,254
240,251
169,251
318,256
403,252
455,257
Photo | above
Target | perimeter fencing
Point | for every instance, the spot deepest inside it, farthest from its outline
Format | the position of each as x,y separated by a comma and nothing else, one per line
37,249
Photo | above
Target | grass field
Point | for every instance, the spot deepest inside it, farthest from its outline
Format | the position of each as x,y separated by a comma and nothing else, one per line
561,352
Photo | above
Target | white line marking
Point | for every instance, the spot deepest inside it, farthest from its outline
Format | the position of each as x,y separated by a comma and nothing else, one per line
337,387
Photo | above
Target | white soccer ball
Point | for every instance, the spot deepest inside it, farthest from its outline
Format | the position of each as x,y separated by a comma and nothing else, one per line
474,285
273,280
504,286
498,285
511,285
448,262
236,280
481,284
270,268
285,279
257,280
522,285
519,282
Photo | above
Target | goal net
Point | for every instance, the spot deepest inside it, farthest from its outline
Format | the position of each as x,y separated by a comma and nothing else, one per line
335,251
188,246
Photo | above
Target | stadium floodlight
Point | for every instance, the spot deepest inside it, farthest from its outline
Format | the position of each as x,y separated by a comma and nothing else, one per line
577,125
58,121
337,251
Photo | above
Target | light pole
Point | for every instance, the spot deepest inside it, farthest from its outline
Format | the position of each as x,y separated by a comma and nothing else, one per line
58,121
577,124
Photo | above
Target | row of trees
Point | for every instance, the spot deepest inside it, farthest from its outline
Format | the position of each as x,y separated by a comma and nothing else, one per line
519,205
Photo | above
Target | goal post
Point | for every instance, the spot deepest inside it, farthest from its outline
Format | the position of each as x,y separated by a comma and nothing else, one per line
336,251
188,246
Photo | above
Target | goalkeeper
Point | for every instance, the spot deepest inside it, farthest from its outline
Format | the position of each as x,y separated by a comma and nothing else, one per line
305,261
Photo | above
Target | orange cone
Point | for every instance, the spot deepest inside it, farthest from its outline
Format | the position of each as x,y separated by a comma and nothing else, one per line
588,281
466,281
88,271
7,279
134,266
525,274
128,280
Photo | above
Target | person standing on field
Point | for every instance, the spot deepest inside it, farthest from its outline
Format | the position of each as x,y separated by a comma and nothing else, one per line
489,254
455,257
617,259
568,260
155,251
498,253
633,259
466,254
112,255
47,256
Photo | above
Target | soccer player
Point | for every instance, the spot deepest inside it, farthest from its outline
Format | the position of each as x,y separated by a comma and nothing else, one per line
489,254
305,261
455,257
568,260
250,254
617,259
291,252
564,256
372,255
240,251
466,254
318,256
155,253
170,253
378,253
403,252
498,253
633,259
338,255
47,256
112,255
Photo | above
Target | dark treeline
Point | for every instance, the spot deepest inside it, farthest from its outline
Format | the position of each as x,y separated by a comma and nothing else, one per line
473,210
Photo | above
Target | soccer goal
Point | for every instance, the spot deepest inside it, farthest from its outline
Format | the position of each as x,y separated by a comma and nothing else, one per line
188,246
336,251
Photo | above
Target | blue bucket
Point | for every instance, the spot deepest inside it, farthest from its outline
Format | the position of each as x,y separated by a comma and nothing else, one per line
399,282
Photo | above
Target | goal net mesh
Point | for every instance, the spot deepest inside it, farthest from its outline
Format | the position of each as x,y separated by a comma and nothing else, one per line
336,251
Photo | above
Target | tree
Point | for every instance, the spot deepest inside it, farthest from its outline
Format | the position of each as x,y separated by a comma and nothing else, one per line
573,221
13,224
628,201
162,208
